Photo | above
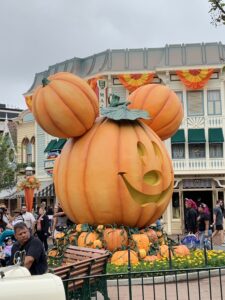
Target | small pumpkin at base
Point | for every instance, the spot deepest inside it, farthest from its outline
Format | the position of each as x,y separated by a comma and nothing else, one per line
120,258
164,251
151,258
142,253
115,238
181,250
97,244
86,239
141,241
151,234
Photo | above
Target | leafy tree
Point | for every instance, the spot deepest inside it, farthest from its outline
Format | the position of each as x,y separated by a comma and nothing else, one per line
217,12
7,169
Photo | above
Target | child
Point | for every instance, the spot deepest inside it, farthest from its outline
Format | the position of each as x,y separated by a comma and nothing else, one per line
7,249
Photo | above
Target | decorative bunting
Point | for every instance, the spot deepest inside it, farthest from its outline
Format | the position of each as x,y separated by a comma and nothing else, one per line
196,78
132,81
28,100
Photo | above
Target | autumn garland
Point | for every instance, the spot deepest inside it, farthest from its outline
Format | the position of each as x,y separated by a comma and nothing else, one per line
30,182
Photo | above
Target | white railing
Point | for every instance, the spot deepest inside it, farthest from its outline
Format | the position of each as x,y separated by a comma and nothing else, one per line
206,165
203,122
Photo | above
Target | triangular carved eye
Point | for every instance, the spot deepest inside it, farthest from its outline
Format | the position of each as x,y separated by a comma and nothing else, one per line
142,151
158,152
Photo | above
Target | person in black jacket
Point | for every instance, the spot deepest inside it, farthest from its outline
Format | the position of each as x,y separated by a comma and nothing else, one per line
43,227
191,216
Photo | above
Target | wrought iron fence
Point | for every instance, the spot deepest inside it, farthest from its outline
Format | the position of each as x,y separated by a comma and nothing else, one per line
186,284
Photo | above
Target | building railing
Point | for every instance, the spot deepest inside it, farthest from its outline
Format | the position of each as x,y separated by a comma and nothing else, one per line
206,165
203,122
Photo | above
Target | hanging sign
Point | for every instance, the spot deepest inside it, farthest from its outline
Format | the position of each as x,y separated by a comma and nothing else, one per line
102,85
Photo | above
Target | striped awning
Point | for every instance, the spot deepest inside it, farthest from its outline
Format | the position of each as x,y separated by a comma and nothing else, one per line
48,191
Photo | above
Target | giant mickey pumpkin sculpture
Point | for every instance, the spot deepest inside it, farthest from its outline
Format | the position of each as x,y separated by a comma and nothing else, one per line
118,172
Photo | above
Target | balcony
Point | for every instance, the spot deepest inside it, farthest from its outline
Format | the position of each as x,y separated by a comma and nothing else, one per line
199,166
22,166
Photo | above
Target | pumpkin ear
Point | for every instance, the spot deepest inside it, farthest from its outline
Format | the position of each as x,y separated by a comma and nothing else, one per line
65,105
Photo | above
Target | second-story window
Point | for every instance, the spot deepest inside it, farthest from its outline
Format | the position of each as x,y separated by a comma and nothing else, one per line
215,150
195,106
214,102
28,152
178,151
196,150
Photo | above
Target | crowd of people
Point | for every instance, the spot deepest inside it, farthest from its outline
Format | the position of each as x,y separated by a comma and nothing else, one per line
29,232
199,220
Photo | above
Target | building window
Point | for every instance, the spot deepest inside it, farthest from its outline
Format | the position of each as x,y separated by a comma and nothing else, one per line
178,151
28,153
196,150
195,105
215,150
214,102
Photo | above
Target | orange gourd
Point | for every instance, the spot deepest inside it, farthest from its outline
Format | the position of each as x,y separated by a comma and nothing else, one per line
120,258
163,106
151,234
65,106
97,244
115,239
86,239
141,241
164,251
181,250
117,173
151,258
142,253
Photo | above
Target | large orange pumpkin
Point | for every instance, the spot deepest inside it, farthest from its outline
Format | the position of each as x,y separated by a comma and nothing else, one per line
120,258
115,239
163,106
90,179
65,106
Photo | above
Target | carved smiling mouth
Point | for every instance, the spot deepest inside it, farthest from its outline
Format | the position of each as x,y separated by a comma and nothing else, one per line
142,198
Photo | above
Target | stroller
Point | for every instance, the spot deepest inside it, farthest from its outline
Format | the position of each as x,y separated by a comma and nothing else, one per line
191,241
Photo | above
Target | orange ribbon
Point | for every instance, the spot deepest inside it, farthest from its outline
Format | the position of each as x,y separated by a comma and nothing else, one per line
132,81
195,79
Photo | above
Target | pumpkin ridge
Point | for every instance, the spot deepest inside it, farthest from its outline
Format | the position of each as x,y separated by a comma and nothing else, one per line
174,117
49,116
118,180
165,102
74,114
95,108
141,209
146,98
85,167
67,174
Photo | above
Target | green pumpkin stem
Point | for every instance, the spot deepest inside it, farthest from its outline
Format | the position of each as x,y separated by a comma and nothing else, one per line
45,81
118,110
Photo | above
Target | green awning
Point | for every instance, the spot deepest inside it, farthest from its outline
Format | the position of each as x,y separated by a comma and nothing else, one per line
196,136
216,135
59,145
50,145
178,137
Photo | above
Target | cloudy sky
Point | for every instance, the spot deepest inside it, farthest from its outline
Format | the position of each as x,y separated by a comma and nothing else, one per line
37,33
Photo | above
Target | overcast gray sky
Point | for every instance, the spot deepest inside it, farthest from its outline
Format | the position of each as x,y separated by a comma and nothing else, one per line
37,33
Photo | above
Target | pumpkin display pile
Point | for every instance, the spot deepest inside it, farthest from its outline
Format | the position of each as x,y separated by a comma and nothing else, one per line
114,169
146,245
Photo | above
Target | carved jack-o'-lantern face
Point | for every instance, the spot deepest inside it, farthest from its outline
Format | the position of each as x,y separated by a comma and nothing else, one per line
118,172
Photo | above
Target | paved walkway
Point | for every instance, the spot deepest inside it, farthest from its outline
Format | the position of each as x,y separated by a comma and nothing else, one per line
183,291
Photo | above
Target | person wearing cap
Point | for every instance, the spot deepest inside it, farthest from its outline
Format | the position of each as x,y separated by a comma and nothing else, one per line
203,224
191,216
